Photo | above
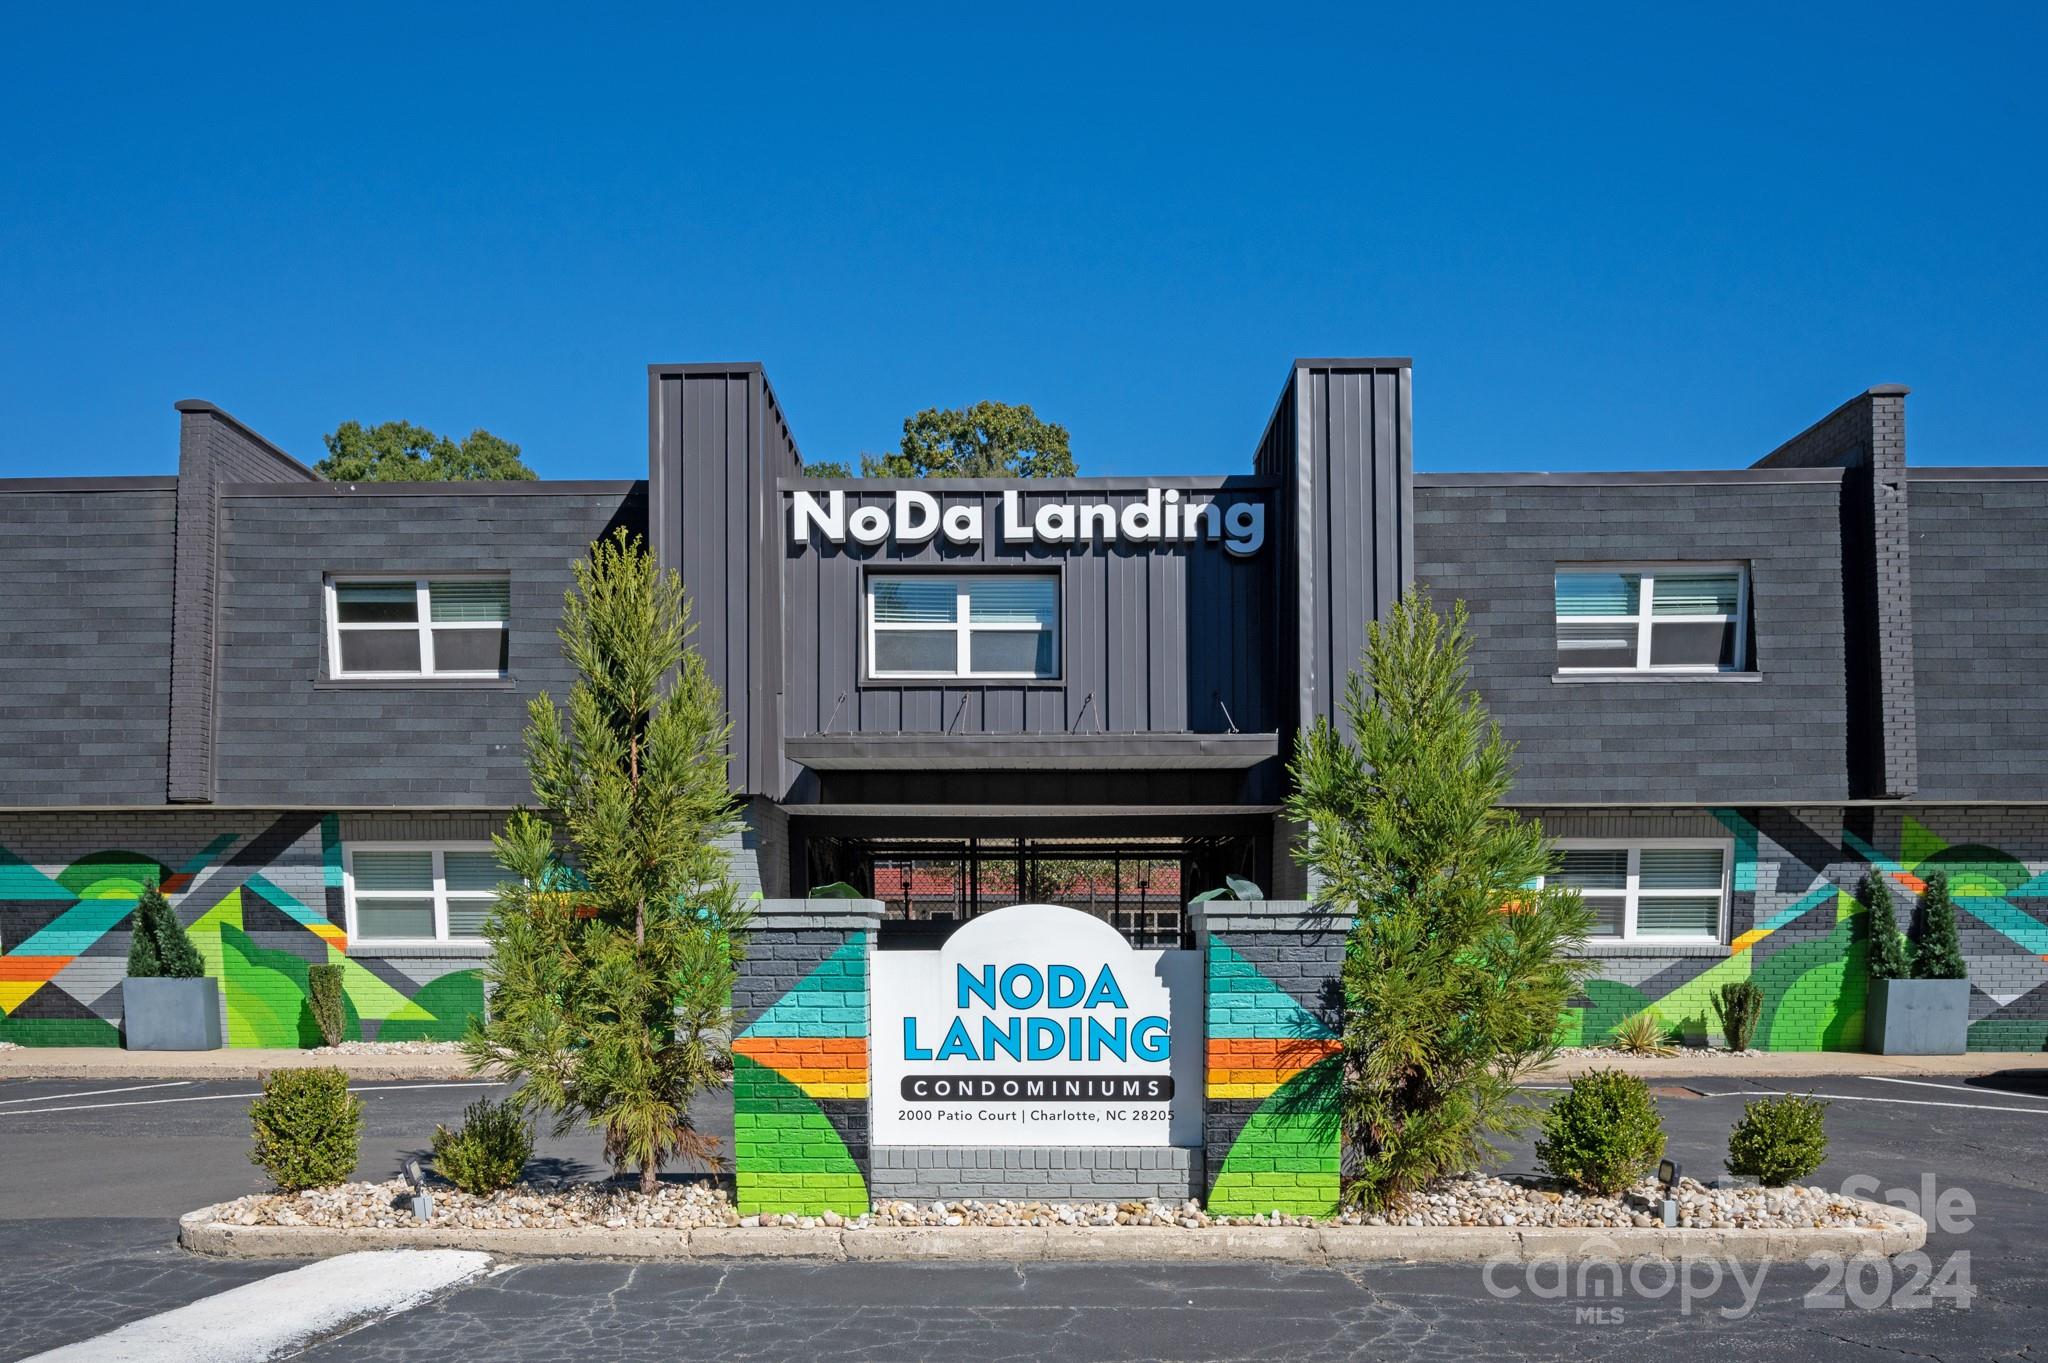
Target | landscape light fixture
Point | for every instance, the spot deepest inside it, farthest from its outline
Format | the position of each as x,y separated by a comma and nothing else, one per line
422,1200
1667,1174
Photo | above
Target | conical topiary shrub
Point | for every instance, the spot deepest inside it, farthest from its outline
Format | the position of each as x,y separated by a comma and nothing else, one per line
1888,953
157,944
1940,954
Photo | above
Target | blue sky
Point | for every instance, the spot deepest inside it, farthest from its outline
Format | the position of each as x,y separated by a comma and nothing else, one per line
1610,236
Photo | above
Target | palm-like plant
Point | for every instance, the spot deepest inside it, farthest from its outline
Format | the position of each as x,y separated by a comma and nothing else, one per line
1641,1034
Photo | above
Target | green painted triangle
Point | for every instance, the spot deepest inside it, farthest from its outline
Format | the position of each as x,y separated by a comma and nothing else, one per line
1917,842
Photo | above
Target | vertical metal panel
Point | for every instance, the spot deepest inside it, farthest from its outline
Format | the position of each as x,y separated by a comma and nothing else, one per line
717,443
1340,443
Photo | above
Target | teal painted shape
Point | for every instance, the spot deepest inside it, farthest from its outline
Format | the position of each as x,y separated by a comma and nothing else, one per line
19,880
283,902
330,849
1869,853
1811,900
1745,848
2015,923
1244,1003
831,1001
77,928
2033,889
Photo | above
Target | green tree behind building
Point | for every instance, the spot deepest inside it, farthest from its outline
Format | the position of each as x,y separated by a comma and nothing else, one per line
400,452
987,440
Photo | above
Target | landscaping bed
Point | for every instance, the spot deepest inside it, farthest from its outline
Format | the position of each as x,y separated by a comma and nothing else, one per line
1479,1201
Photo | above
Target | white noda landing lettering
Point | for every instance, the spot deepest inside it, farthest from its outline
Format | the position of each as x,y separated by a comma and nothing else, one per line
278,1315
1160,516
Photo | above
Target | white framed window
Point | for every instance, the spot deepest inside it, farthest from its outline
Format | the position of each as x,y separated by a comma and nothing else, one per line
1645,617
1671,892
976,625
401,892
449,625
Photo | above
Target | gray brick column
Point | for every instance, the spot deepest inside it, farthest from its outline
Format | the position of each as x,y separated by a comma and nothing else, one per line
800,1057
1272,1013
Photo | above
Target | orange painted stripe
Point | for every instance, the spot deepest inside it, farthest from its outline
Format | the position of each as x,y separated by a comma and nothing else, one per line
1911,882
849,1050
1293,1053
37,968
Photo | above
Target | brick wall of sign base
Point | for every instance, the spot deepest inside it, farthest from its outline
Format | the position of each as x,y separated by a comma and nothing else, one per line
1072,1173
1271,1067
800,1057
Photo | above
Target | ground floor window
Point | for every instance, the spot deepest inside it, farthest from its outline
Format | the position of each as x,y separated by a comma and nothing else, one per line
1669,891
403,892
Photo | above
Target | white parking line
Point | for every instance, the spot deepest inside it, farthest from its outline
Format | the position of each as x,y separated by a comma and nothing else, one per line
1866,1098
1955,1088
94,1093
221,1097
280,1314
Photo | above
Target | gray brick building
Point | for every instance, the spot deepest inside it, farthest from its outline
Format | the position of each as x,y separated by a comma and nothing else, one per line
298,704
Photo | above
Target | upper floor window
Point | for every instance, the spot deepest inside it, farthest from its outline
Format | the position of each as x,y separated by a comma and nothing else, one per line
418,627
1653,618
978,625
408,893
1669,892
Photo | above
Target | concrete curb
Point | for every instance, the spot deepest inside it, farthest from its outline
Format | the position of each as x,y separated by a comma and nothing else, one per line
32,1062
200,1233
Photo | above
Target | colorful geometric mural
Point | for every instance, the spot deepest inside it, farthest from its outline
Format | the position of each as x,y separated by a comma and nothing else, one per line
1271,1079
1802,938
64,934
800,1075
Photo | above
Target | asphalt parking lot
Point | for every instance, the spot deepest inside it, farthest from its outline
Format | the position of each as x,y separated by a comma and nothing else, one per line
93,1181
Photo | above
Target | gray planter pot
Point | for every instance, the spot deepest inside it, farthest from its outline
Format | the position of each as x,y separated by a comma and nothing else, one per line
171,1015
1917,1017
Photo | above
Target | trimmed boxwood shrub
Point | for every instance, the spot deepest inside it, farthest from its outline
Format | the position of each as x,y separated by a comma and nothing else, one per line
488,1151
1779,1139
323,987
1604,1134
308,1128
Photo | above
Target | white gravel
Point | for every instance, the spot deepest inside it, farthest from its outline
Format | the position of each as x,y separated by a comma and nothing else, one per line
1469,1200
389,1048
10,1046
1679,1052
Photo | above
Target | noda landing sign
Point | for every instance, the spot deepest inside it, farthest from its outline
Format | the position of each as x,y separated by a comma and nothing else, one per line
1037,1025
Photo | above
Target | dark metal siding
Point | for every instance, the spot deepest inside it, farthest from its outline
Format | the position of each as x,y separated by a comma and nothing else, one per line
717,443
1153,639
1341,442
1980,632
1781,735
288,738
85,643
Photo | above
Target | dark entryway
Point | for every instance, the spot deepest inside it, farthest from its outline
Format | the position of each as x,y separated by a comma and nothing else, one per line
1137,884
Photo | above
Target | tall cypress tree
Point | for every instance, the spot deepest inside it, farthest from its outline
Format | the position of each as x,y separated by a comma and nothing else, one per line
1457,970
612,986
1940,955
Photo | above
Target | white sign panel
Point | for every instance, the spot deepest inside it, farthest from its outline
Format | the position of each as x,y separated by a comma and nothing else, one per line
1037,1025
